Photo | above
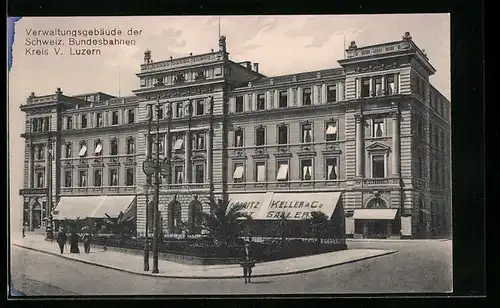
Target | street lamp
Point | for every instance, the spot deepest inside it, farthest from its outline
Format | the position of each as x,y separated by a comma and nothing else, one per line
49,229
146,242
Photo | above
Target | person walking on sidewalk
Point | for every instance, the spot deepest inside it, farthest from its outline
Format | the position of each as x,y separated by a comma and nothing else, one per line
87,239
61,240
73,242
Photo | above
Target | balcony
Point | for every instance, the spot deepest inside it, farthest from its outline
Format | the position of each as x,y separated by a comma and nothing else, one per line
32,191
377,182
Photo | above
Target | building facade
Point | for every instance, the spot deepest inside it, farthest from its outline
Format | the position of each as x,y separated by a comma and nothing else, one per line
374,133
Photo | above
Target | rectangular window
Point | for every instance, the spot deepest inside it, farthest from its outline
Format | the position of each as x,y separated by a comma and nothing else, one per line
390,85
199,173
131,116
46,124
306,133
378,166
200,107
98,149
114,118
99,119
179,175
283,134
83,150
260,136
130,177
283,99
82,178
238,173
40,152
260,172
180,110
69,152
199,141
68,175
332,171
114,147
331,93
377,86
239,104
306,171
282,174
98,178
69,122
39,180
378,128
238,138
178,144
84,121
113,177
161,112
307,97
130,146
261,102
331,131
365,87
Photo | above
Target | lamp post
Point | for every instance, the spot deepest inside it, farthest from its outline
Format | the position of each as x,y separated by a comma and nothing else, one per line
146,242
49,229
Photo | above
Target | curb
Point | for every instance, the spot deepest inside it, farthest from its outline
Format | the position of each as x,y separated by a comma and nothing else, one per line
204,277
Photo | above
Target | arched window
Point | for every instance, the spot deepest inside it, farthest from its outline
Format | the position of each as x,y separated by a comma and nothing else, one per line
376,203
113,150
130,145
195,216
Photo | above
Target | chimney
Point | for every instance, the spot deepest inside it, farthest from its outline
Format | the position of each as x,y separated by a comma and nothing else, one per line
256,67
249,65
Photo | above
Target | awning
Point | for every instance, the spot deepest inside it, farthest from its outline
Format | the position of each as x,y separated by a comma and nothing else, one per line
282,172
98,149
331,129
83,151
297,206
373,214
238,173
77,207
178,144
112,205
253,202
130,213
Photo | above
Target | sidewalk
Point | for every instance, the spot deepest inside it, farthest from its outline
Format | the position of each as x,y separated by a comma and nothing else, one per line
134,263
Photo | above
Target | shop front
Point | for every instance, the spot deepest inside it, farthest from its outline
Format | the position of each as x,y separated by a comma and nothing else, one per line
376,223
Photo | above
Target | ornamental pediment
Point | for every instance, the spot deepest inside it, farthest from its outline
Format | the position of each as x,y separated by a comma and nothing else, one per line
377,146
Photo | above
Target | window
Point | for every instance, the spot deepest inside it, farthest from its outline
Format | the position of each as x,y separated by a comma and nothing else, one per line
82,178
83,149
331,131
306,133
200,107
130,146
39,180
99,119
69,122
332,169
69,152
160,112
283,99
378,128
179,78
130,177
199,141
282,174
199,173
390,85
261,102
378,166
160,145
40,152
238,173
84,121
331,93
307,97
260,136
378,86
178,144
238,138
283,134
114,118
179,175
260,171
180,110
114,147
98,178
365,87
98,148
199,76
68,175
131,116
239,104
306,169
113,177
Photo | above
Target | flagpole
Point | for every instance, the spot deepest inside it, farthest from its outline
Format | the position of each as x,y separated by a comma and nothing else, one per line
219,27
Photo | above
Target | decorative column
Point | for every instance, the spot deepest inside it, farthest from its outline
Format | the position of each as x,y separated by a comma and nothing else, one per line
246,103
299,96
187,156
209,138
30,166
371,87
324,99
395,144
383,85
253,103
269,100
359,146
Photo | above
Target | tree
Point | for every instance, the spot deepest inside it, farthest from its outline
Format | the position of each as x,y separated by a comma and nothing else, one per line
282,226
224,227
318,225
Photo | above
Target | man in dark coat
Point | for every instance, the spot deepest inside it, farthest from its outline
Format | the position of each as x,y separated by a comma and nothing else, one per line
61,240
73,242
87,238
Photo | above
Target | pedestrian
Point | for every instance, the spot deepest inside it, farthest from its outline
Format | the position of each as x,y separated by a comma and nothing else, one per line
87,239
73,242
247,264
24,230
61,240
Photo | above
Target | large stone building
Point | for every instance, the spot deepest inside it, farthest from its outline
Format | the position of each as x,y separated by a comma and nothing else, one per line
371,137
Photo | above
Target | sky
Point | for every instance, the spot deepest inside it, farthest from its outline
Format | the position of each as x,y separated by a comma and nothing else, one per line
280,44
